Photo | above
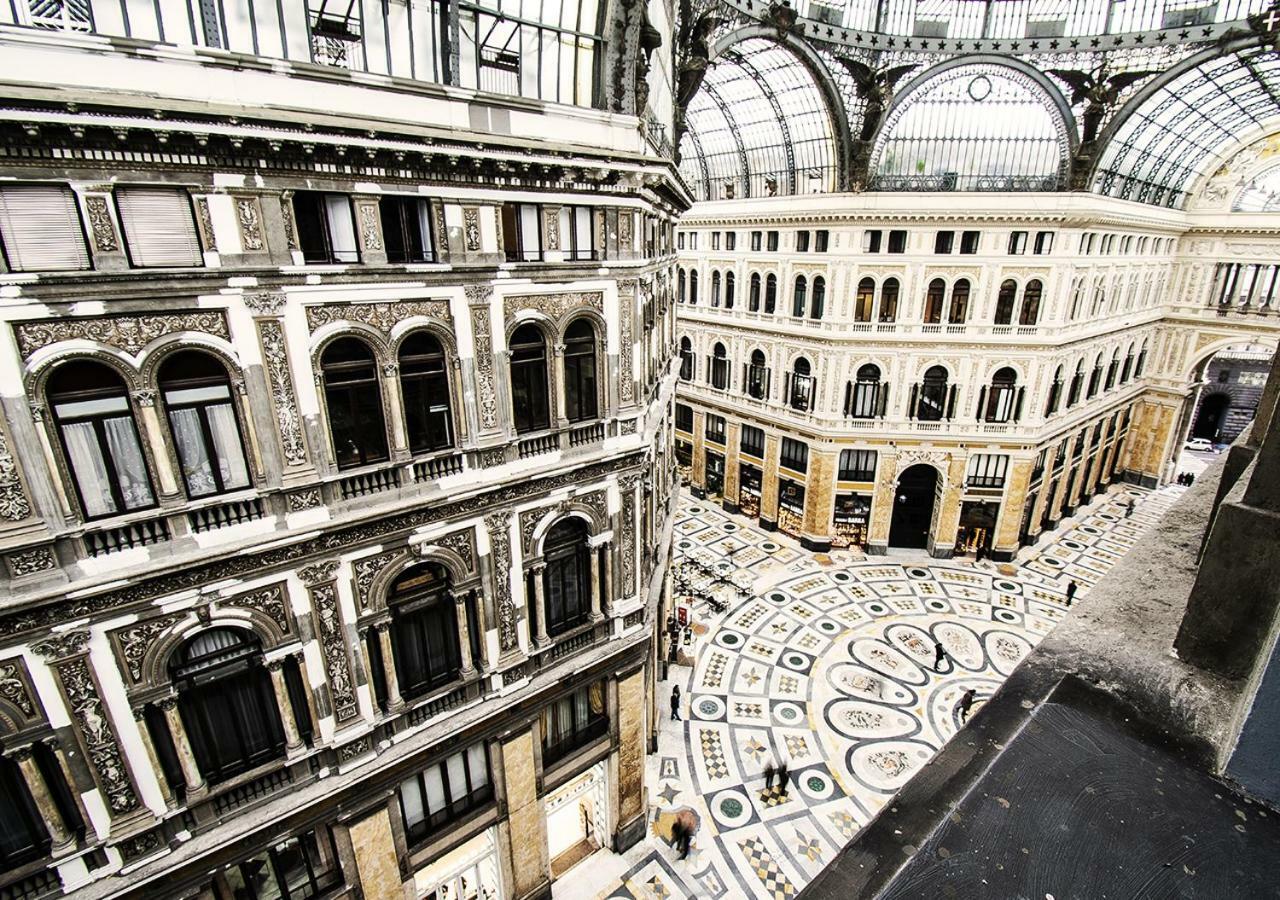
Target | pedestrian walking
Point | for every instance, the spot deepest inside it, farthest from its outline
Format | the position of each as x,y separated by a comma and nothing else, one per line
782,778
675,703
939,654
768,774
685,837
1072,587
979,552
1128,510
1191,479
677,835
966,703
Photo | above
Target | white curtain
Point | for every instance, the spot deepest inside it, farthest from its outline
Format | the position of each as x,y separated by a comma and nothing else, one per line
424,227
342,227
130,465
196,467
89,468
227,446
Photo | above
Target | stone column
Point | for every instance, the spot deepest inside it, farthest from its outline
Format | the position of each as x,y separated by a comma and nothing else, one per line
769,484
140,716
395,408
292,739
395,700
607,549
558,418
525,830
61,837
593,553
196,786
145,402
819,501
369,228
732,462
699,475
1004,543
540,609
882,500
464,635
632,800
105,246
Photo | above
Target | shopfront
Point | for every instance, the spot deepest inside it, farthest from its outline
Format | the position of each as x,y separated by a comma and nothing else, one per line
749,480
977,526
684,460
790,507
468,872
714,481
852,520
576,819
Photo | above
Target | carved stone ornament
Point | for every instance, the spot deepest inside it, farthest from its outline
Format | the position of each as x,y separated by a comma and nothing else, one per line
100,224
205,219
597,502
628,484
283,400
478,293
909,458
370,229
324,598
63,644
249,217
358,747
265,303
139,845
498,525
624,228
97,734
471,227
31,562
494,456
551,227
483,344
15,689
135,640
145,398
367,571
627,426
460,543
127,333
627,313
270,601
382,316
290,229
185,577
14,506
318,573
304,499
553,306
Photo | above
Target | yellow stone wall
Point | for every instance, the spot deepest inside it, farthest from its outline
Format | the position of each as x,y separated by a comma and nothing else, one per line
769,479
1019,479
631,789
526,822
376,857
733,441
882,498
946,513
819,493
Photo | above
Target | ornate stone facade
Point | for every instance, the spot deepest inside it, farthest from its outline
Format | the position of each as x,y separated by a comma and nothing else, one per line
382,316
280,381
499,526
128,333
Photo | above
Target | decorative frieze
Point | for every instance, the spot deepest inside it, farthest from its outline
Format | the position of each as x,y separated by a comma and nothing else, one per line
270,601
265,303
471,227
249,218
205,220
628,485
308,498
128,333
134,642
498,525
483,343
596,503
31,562
460,543
382,316
367,571
370,227
103,230
626,353
15,688
275,359
333,641
554,306
14,506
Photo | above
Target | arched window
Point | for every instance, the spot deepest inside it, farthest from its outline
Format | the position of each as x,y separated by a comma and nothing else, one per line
889,300
1142,361
693,286
424,387
757,379
529,400
1113,369
1030,313
581,396
354,401
686,359
1004,399
226,702
1004,302
933,402
567,587
801,392
799,299
1055,393
865,398
1077,384
718,367
728,290
753,297
864,302
959,302
771,293
424,627
934,297
1127,371
819,301
100,439
1095,376
680,281
206,434
715,288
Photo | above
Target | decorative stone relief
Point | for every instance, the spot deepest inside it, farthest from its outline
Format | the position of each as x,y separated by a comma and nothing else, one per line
628,484
286,213
442,230
460,543
358,747
324,599
628,426
551,227
909,458
203,217
553,306
136,640
369,226
127,333
471,226
14,505
483,345
265,303
382,316
270,601
145,398
249,216
100,224
305,499
139,845
597,502
367,571
627,294
180,578
96,732
498,525
494,456
15,688
288,420
30,562
624,229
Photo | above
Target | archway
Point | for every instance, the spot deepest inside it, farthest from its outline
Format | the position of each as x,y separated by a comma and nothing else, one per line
1211,415
913,507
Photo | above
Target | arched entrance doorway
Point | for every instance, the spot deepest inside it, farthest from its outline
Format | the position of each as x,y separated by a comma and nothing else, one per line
1210,416
913,507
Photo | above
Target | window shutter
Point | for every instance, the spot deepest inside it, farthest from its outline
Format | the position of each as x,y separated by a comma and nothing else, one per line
40,226
159,227
911,407
848,397
951,403
1017,406
884,399
982,399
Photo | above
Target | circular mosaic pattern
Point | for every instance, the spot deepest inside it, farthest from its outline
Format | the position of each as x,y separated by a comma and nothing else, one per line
842,577
769,546
816,784
918,573
1007,586
1072,545
776,597
788,713
1007,615
1052,561
827,626
730,639
797,662
708,708
1089,529
729,526
731,809
936,605
684,545
876,609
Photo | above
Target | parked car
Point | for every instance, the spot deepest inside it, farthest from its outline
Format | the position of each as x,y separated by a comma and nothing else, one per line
1203,445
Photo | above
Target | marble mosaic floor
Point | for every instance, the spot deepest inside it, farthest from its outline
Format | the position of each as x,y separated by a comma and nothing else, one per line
827,662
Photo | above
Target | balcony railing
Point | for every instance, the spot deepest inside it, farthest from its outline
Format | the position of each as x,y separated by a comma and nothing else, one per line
437,467
126,537
235,512
536,446
557,750
364,484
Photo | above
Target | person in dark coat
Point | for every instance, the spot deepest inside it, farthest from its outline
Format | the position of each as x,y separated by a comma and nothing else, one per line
768,774
675,703
782,778
966,703
1128,510
1072,587
939,654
